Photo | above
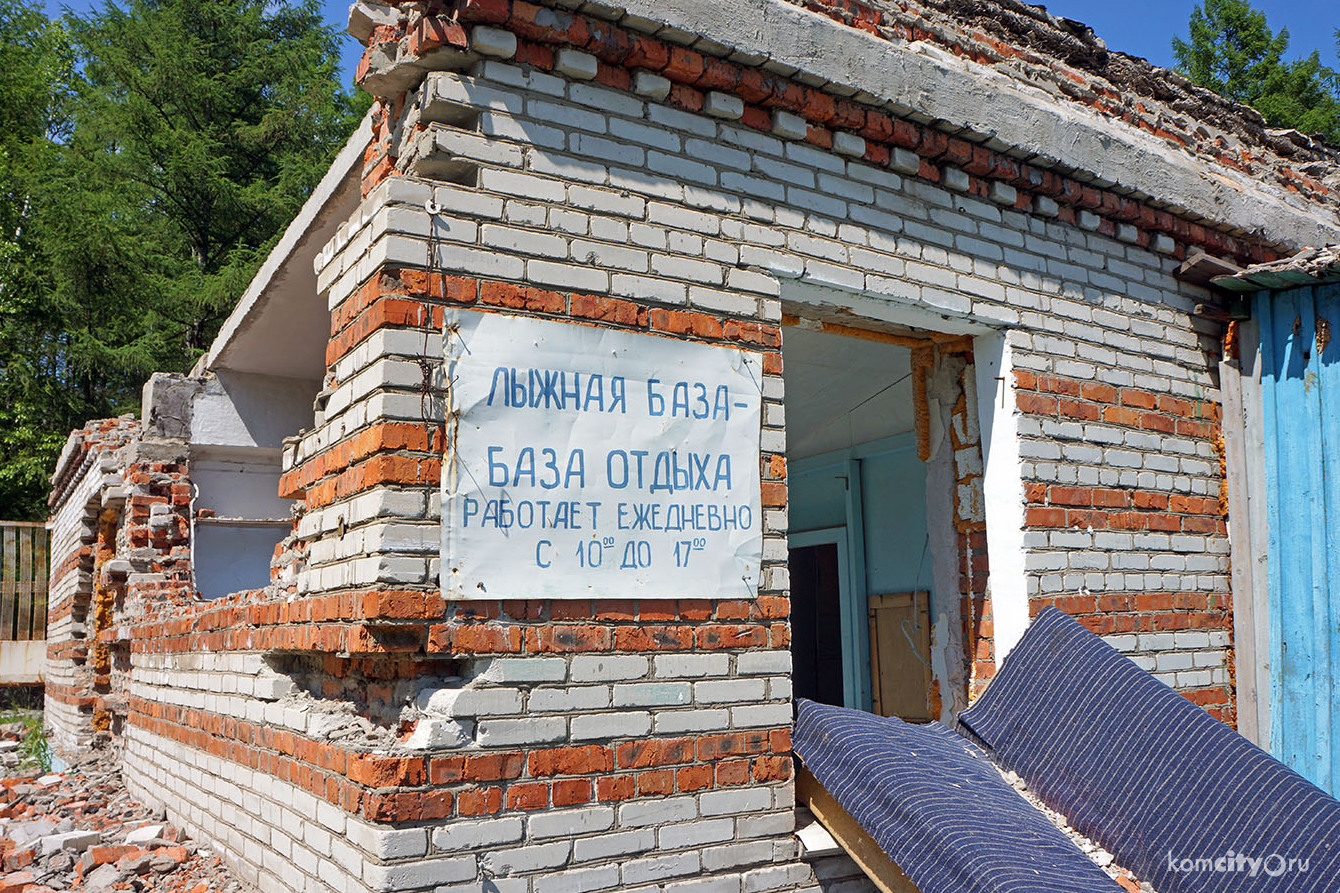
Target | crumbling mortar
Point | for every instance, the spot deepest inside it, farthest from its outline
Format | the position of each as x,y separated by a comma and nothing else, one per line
1186,230
1027,29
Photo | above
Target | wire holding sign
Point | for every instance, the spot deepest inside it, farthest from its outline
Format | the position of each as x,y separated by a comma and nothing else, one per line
588,462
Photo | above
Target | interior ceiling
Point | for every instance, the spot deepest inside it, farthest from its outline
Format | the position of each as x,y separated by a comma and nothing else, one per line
287,332
843,391
281,326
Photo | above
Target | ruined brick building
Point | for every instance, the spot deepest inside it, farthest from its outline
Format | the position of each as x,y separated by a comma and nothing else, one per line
947,263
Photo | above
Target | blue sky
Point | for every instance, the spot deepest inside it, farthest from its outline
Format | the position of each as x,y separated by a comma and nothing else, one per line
1146,27
1139,27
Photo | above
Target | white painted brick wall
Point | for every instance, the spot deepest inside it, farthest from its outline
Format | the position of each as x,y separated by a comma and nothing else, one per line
973,257
583,188
280,837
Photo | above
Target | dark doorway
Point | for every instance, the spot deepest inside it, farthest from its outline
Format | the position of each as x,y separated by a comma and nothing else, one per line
816,623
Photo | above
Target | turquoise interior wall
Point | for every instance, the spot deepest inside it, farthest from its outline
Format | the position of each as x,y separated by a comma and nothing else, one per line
897,554
875,494
816,493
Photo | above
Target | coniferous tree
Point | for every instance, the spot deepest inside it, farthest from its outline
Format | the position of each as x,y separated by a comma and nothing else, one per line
35,68
190,133
1231,50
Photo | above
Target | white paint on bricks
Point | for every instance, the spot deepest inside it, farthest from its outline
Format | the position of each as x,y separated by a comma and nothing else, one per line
494,42
789,126
652,86
723,105
576,64
1003,490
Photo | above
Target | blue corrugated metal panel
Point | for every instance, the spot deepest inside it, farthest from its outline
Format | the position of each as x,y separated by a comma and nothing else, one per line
1300,387
938,808
1176,796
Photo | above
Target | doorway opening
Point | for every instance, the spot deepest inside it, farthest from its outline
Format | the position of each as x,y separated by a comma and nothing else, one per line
886,529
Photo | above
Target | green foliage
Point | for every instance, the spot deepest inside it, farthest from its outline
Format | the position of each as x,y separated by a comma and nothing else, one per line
34,749
1231,49
152,154
34,68
220,116
1304,95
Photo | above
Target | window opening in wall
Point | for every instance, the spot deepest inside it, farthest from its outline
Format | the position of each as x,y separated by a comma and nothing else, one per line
874,548
236,424
238,519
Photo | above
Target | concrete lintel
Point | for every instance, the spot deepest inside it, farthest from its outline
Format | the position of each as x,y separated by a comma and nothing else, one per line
23,663
855,304
989,103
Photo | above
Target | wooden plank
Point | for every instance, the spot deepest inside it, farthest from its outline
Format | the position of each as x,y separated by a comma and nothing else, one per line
1326,361
856,655
900,648
1237,434
24,579
44,587
883,872
1201,268
1258,531
886,333
1212,311
1296,440
9,590
23,626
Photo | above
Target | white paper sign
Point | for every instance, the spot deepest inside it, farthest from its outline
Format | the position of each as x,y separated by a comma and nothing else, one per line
594,463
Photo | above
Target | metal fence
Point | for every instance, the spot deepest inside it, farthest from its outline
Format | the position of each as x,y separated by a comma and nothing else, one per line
24,570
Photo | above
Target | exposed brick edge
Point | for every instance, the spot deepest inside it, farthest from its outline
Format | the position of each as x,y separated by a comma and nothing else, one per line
349,479
70,695
1116,508
94,437
400,298
69,564
1055,506
464,638
61,610
69,649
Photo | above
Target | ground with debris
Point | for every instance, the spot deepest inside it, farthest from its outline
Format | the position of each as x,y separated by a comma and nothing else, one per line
78,829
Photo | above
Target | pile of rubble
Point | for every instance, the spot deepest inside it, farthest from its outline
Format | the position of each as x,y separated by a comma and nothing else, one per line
80,830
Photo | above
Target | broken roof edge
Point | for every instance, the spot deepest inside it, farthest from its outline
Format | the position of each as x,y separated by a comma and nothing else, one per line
348,162
1311,266
1030,29
934,84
